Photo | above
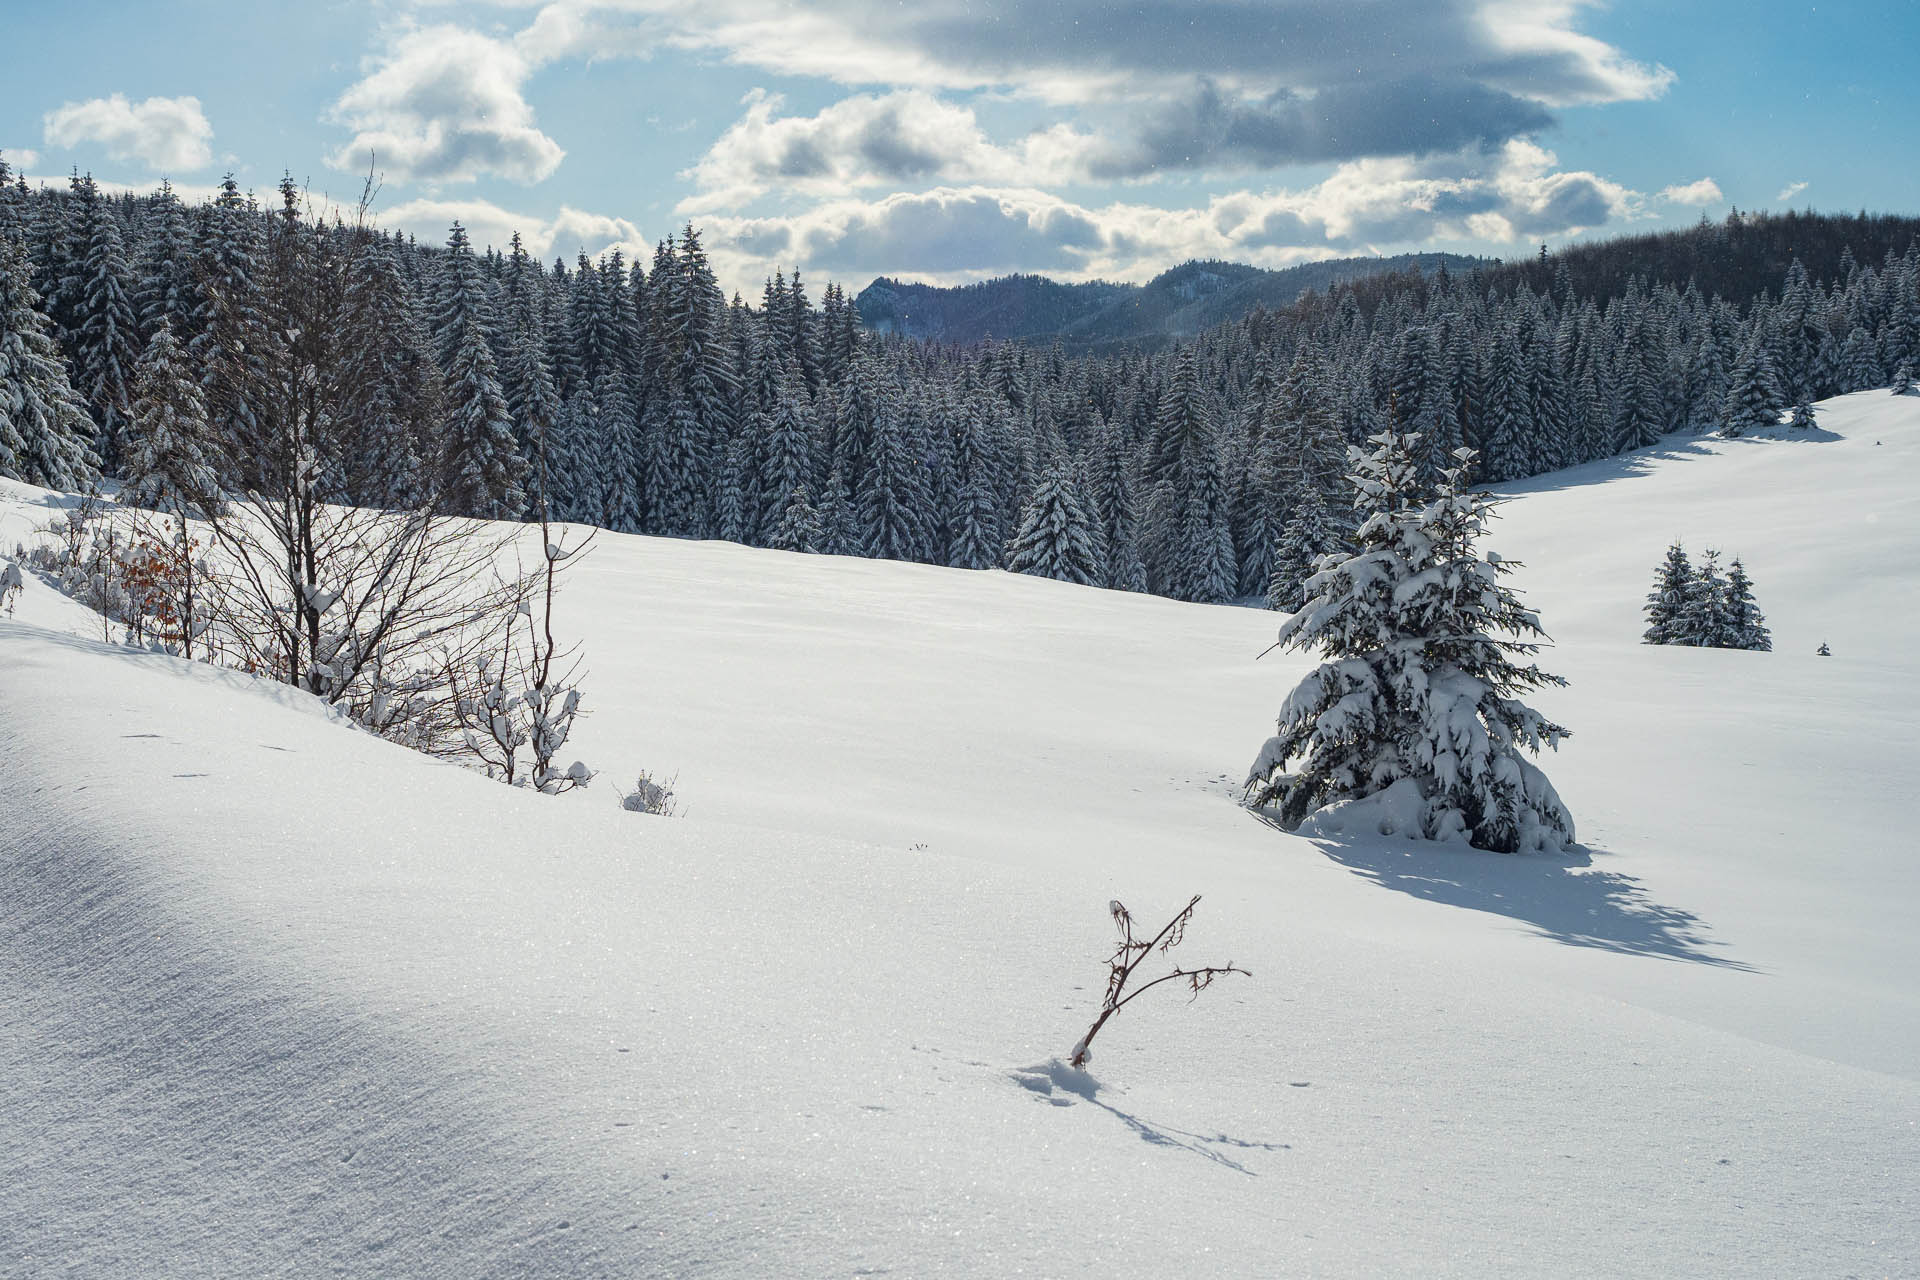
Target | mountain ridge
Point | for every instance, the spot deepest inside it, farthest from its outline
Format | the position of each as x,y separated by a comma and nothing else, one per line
1180,302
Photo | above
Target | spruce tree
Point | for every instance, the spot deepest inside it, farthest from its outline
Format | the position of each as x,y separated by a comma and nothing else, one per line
1902,384
166,289
975,541
1308,535
839,523
1424,648
390,385
105,339
1193,541
1703,620
678,496
1056,534
44,430
1667,602
786,461
1746,627
576,467
479,461
895,506
621,454
164,464
798,528
1753,395
730,505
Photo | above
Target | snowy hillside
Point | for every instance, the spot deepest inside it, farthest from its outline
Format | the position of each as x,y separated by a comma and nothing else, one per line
278,998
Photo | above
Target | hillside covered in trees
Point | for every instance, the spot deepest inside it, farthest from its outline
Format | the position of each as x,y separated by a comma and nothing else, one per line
402,374
1184,301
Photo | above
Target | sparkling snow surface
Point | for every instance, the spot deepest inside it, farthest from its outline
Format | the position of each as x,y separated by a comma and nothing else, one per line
277,998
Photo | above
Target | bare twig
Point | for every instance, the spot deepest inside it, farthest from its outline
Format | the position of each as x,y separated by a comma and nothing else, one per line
1127,957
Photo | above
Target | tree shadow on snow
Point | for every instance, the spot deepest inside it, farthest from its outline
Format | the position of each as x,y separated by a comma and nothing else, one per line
1060,1084
1623,466
1562,896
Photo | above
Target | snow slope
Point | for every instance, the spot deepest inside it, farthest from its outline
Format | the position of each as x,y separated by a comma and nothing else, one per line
278,998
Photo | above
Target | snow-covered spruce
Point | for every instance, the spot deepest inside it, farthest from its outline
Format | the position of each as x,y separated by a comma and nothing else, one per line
1423,648
1694,605
1056,535
43,423
1672,586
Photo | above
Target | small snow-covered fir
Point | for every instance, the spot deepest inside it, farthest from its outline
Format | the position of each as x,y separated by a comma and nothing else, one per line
1423,647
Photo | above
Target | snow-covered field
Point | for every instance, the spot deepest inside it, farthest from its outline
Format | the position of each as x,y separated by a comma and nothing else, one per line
277,998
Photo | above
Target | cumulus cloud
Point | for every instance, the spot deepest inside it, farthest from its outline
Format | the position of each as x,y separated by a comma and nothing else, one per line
569,232
164,135
951,234
444,105
1704,192
1185,85
1791,190
909,136
1081,50
1210,128
19,159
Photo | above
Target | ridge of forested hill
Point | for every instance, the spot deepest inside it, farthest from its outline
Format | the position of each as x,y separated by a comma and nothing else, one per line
1188,299
229,347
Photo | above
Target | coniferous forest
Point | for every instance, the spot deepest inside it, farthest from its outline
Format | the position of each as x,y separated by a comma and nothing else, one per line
638,397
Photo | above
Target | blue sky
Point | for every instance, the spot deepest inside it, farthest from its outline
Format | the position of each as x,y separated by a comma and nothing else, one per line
956,139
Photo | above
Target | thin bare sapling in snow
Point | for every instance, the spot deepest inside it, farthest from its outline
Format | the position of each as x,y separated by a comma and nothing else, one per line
1128,956
523,692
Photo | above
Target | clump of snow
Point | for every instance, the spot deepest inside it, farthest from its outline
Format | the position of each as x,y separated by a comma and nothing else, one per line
1396,811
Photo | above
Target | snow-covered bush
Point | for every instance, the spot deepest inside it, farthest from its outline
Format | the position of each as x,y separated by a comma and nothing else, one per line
11,585
652,795
1423,648
131,570
522,692
1128,956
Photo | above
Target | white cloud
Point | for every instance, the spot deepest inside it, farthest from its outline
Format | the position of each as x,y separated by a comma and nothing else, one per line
904,137
166,135
569,232
1083,50
445,105
1704,192
1791,190
19,159
1547,60
952,234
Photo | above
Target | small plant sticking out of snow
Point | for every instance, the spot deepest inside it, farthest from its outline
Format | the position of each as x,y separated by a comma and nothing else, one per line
10,587
1823,651
1128,956
652,795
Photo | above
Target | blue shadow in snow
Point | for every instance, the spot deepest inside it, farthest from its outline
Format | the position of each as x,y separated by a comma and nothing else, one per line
1562,896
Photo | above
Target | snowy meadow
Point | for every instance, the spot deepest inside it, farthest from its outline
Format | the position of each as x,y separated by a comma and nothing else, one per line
282,997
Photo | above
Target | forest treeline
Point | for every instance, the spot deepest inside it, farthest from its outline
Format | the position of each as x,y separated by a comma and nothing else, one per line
638,397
